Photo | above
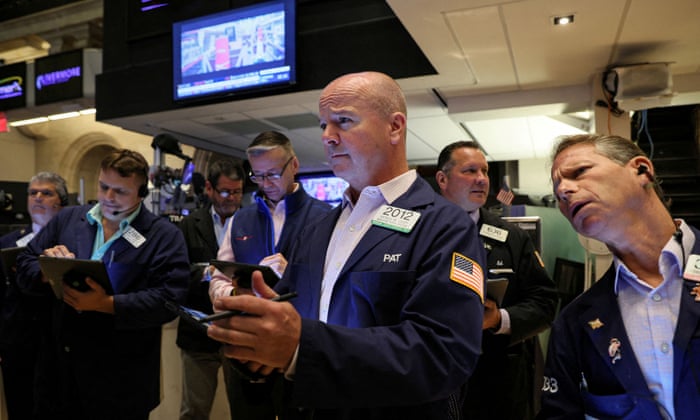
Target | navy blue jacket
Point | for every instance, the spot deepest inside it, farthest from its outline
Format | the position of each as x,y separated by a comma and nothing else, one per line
19,312
114,359
401,338
252,231
616,390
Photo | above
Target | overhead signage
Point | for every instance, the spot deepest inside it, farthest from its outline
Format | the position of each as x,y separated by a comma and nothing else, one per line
58,77
13,88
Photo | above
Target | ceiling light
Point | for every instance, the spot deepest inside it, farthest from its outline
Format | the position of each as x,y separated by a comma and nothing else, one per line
29,121
563,20
64,115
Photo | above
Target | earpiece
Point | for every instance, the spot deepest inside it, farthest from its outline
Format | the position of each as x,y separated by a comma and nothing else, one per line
642,169
143,190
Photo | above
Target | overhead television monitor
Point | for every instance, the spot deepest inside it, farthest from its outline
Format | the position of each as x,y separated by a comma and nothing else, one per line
240,50
13,86
324,186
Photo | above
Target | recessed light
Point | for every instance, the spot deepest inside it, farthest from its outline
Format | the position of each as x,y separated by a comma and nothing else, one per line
563,20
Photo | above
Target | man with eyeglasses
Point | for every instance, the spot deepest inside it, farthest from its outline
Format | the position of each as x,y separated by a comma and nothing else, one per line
204,230
263,234
24,317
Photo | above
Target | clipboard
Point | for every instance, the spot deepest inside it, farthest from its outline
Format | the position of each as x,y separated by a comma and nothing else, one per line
8,256
243,272
496,289
73,271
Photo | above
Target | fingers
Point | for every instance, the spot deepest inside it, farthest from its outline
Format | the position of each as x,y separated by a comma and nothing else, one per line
59,251
260,287
276,262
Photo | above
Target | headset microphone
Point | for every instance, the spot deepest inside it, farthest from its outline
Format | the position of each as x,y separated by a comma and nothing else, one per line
118,212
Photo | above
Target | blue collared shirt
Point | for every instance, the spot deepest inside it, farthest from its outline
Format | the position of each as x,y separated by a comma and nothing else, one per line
100,247
650,316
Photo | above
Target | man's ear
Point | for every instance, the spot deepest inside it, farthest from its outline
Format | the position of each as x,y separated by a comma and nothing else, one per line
441,179
398,127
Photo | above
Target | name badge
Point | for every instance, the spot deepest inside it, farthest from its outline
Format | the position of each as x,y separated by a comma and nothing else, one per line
493,232
395,218
24,240
133,237
692,269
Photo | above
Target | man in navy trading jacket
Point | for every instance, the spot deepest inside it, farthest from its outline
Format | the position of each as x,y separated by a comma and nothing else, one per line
387,322
106,359
24,317
263,234
628,347
502,386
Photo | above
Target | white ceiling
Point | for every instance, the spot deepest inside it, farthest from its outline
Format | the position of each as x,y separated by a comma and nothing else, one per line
503,71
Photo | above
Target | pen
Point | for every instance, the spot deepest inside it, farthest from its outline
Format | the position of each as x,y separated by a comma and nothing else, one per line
227,314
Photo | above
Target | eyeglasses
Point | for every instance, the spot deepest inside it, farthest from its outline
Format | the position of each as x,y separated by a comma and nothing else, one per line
259,179
228,193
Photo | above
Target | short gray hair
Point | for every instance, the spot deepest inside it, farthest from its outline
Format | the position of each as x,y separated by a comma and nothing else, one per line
58,182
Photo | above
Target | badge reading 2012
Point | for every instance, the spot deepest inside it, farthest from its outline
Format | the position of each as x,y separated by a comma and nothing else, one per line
395,218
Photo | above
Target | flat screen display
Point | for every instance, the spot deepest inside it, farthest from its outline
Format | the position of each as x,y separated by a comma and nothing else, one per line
324,186
240,50
13,86
58,77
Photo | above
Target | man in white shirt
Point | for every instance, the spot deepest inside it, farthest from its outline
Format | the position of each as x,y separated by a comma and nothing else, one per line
387,322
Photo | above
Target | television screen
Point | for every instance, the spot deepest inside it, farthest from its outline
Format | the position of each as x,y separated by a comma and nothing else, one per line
13,86
324,186
239,50
58,77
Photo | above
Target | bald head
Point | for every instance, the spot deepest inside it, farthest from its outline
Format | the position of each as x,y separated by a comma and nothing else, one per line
363,117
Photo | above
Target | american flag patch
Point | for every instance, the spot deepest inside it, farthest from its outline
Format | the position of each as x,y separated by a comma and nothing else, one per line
467,272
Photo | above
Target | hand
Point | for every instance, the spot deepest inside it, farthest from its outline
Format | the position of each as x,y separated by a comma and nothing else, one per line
59,251
95,299
268,336
276,262
492,315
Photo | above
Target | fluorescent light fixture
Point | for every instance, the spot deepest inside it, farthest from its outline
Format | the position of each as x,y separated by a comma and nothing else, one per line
29,121
563,20
64,115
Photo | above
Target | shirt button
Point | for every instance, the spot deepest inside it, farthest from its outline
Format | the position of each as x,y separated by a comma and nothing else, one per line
655,297
665,348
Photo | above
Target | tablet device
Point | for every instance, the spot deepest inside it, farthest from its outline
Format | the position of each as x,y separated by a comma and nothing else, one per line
243,272
8,256
496,289
72,271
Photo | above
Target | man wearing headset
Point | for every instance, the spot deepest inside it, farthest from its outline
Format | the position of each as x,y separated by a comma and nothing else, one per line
106,359
23,318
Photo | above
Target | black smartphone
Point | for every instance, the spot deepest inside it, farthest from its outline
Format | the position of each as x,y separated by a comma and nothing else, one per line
243,272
